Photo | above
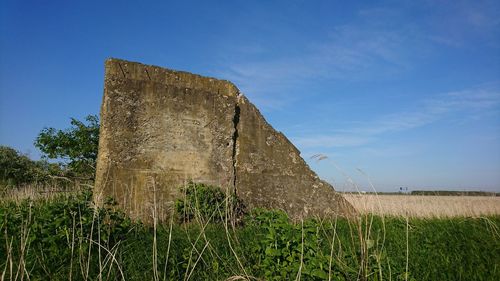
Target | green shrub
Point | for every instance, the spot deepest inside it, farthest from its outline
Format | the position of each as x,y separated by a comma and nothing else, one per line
17,169
208,203
59,234
77,146
284,248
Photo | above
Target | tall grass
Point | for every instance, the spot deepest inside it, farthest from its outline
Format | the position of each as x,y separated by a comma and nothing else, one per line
66,237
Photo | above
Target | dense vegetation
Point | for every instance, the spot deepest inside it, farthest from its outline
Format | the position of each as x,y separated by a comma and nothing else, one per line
17,169
66,238
76,146
72,152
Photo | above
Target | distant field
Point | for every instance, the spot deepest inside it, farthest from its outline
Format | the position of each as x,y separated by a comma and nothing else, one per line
425,206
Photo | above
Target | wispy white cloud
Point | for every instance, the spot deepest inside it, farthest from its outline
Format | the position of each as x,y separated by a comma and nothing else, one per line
479,100
348,53
379,43
479,14
458,23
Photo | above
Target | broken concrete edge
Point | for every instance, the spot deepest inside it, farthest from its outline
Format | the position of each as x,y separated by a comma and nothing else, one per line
181,79
121,70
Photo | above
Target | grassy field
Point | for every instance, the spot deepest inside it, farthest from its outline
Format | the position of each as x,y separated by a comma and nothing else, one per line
425,206
65,238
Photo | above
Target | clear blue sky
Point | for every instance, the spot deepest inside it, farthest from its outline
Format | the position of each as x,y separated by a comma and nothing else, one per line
406,91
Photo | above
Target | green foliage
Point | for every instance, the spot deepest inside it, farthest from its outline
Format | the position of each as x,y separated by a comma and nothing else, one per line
58,232
284,248
18,169
77,146
61,237
208,203
373,248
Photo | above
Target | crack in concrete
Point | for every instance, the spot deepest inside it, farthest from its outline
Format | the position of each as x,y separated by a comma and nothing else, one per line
236,120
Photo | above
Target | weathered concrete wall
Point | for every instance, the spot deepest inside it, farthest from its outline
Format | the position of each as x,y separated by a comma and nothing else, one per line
162,128
271,173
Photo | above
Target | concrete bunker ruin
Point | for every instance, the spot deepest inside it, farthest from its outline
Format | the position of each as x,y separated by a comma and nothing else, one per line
162,128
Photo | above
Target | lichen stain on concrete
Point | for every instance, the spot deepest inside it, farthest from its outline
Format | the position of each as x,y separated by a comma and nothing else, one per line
162,128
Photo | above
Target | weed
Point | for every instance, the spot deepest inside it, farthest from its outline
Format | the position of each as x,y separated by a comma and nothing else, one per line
207,203
68,238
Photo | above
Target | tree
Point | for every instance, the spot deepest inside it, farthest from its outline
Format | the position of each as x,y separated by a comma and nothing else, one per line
76,146
16,168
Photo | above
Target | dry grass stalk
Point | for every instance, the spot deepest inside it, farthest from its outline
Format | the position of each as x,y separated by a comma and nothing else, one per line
39,192
425,206
299,273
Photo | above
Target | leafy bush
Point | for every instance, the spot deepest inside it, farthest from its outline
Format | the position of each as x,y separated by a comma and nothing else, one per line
76,146
17,169
58,233
285,248
208,203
